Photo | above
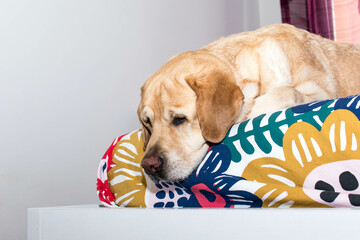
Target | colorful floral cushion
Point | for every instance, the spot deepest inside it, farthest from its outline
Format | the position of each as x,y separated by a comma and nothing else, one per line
305,156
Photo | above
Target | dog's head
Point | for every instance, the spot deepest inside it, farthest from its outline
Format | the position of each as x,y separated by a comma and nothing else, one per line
190,102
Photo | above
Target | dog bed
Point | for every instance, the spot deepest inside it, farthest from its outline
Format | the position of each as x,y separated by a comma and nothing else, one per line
304,156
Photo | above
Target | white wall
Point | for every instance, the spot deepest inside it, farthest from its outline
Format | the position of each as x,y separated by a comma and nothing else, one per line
70,74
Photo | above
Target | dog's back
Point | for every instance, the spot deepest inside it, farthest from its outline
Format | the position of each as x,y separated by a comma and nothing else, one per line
334,66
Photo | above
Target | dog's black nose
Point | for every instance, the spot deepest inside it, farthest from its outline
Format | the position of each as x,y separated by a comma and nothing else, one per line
152,164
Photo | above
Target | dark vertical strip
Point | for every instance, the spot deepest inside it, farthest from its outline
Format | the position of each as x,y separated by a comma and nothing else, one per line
285,11
294,12
312,15
327,20
324,18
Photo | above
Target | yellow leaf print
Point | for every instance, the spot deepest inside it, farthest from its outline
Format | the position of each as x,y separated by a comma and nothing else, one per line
126,177
306,150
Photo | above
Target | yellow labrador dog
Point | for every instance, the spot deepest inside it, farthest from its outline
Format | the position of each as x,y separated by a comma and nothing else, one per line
194,98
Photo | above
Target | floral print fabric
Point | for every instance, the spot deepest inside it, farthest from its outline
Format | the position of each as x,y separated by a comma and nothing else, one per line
305,156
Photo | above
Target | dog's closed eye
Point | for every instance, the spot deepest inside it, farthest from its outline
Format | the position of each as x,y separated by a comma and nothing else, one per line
177,121
148,122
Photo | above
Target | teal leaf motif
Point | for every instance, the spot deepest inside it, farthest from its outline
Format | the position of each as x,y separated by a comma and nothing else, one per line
269,129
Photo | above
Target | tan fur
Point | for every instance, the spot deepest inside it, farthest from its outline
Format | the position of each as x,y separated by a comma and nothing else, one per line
235,78
217,104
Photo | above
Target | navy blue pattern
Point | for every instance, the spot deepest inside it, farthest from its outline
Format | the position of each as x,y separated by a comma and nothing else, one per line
350,103
304,108
213,182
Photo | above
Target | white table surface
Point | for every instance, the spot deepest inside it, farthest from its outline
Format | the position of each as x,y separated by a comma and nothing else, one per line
93,222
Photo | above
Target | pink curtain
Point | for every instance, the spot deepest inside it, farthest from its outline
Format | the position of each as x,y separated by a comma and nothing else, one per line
334,19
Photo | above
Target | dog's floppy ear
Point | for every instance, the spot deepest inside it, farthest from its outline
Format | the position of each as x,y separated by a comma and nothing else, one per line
145,135
218,103
146,131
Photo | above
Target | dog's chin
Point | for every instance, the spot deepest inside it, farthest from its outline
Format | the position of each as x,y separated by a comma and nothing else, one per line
169,177
176,176
156,179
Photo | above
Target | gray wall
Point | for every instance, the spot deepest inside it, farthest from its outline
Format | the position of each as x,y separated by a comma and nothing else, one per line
70,74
